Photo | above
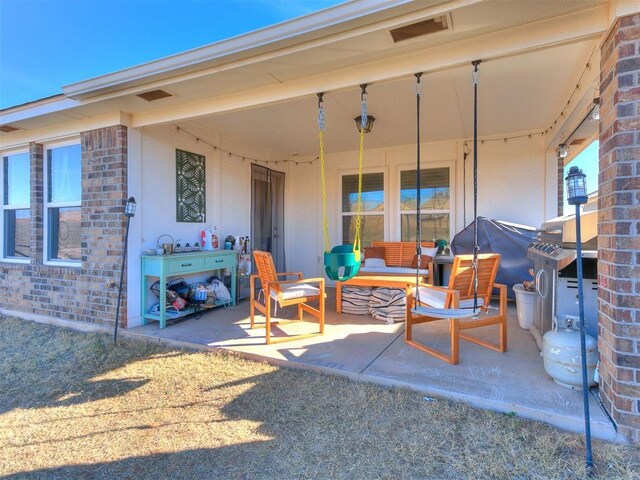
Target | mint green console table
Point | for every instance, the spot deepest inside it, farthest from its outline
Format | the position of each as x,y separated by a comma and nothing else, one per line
164,267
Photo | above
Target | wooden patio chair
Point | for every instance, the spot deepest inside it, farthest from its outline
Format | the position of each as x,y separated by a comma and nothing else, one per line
455,304
275,286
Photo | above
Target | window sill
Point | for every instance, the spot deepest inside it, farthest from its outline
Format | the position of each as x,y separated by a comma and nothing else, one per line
62,263
24,261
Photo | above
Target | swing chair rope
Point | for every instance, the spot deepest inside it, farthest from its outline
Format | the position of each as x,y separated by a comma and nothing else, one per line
325,217
475,76
341,262
418,189
449,312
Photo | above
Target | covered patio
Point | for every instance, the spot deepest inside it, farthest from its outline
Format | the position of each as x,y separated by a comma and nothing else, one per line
247,108
364,349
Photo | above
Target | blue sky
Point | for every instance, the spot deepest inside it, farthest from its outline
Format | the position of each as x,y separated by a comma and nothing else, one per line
587,161
45,44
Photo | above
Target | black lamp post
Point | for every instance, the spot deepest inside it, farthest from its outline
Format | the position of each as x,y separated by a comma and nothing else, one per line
577,195
129,211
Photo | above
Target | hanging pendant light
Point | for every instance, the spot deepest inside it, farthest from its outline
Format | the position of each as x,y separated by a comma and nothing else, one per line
367,125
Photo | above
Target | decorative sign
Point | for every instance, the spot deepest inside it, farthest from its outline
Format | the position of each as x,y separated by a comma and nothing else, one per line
190,187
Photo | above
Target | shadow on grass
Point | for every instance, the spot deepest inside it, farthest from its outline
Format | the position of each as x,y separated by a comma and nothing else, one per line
45,366
225,462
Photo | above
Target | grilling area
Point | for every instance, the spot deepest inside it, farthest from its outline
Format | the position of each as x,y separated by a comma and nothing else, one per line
556,284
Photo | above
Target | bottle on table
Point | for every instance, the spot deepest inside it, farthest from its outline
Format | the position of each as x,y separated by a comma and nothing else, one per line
214,238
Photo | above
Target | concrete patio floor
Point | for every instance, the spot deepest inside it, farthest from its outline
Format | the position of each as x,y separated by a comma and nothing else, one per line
364,349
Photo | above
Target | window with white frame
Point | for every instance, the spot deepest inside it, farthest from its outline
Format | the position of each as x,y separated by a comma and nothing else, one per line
16,206
372,216
63,182
435,204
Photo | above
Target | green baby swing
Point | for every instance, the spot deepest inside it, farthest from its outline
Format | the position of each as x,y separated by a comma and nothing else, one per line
342,262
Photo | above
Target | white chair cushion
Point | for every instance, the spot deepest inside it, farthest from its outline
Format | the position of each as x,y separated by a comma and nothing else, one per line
374,263
429,296
444,312
297,291
436,298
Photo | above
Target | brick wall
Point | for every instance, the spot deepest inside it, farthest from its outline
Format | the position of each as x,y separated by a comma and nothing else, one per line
89,292
37,196
619,226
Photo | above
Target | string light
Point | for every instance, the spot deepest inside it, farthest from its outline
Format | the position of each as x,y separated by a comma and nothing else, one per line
560,115
243,157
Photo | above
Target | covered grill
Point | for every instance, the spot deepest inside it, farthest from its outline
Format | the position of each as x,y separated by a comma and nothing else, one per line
554,256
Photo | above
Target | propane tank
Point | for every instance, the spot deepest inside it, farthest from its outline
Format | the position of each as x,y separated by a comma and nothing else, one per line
562,357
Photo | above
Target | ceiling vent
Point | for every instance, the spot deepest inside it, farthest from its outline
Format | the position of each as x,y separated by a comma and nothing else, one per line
426,27
154,95
8,129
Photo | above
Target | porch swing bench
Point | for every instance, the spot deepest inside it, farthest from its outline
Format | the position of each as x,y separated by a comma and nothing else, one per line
426,303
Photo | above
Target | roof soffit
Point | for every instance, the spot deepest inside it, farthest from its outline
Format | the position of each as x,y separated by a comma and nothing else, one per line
344,20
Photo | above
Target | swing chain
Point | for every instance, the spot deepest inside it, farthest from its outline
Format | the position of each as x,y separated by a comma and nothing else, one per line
321,123
325,218
363,107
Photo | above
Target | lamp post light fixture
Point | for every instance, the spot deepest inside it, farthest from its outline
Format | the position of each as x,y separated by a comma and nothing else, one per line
577,195
129,211
130,207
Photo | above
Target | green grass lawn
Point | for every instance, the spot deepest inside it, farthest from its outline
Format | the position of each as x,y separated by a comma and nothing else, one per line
73,406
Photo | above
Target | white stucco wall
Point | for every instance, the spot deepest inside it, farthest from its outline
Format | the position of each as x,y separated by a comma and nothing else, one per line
512,182
152,174
512,186
228,187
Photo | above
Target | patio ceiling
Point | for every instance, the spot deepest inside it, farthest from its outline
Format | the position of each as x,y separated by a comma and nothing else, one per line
521,93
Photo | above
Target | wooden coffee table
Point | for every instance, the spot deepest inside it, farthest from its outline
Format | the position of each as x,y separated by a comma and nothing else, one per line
390,281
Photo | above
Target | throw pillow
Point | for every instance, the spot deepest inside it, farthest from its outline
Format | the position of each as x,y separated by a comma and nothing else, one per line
374,252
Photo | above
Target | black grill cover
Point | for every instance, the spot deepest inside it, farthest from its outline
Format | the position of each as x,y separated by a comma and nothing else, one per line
509,240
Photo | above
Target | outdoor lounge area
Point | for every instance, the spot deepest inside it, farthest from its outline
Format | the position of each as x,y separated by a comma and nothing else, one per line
364,349
386,122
